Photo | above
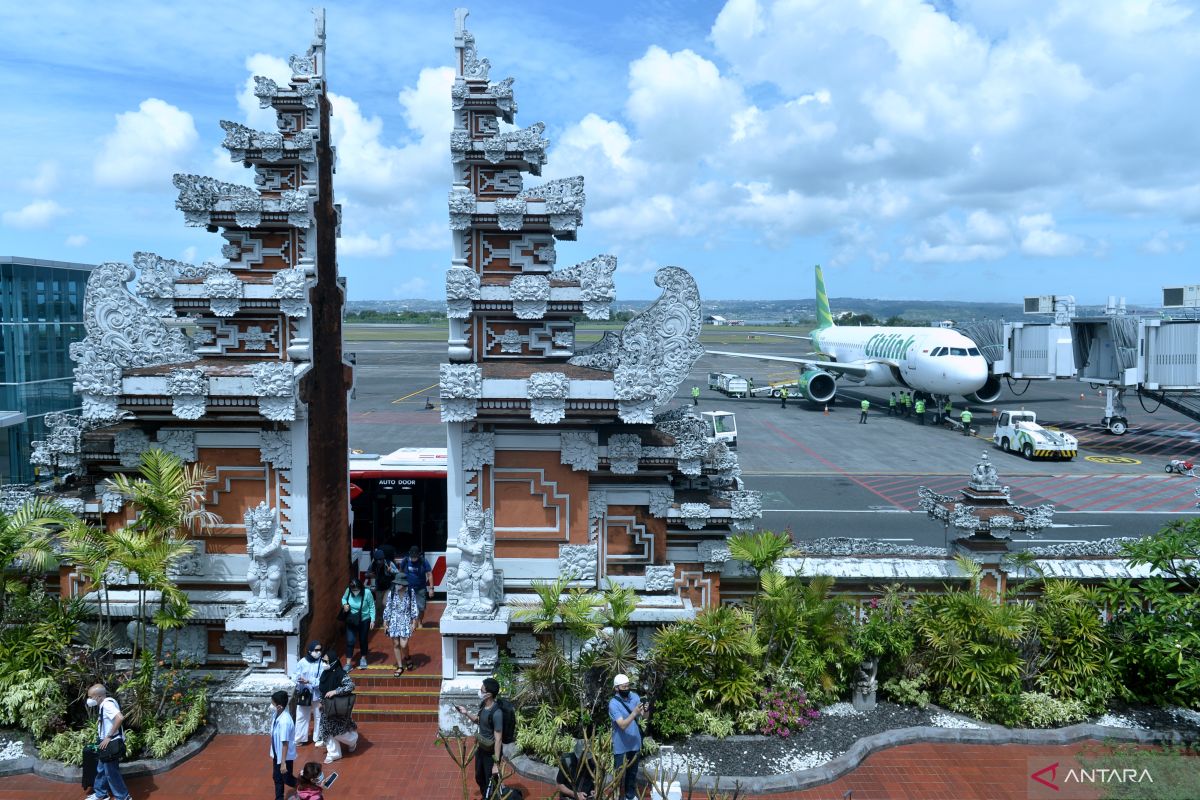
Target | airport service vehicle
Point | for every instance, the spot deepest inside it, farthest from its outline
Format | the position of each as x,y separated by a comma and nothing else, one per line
729,384
720,426
1180,467
1018,431
776,389
936,362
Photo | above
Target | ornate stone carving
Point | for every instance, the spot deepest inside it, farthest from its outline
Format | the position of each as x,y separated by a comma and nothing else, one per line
562,196
460,387
475,581
276,448
983,477
462,203
695,515
597,509
511,341
188,389
483,655
474,67
597,289
723,463
713,553
181,444
274,386
156,281
510,213
526,144
224,290
660,578
659,347
61,448
547,393
478,449
189,643
290,287
661,501
645,640
121,333
302,66
624,450
233,642
265,90
522,645
129,444
267,575
462,287
192,563
580,449
601,355
112,502
745,506
689,434
530,293
579,561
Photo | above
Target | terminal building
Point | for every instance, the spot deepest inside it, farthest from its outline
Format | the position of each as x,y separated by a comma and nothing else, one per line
41,314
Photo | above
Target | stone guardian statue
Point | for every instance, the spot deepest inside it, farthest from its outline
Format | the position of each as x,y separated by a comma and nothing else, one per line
267,575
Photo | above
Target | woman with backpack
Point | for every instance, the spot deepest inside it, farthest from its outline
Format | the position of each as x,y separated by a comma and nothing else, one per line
399,614
337,702
358,612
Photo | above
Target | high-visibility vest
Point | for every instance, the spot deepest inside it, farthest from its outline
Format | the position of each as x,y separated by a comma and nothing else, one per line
920,406
892,401
783,393
966,417
695,391
865,404
908,399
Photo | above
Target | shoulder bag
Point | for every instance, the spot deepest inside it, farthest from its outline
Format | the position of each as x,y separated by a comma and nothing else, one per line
340,705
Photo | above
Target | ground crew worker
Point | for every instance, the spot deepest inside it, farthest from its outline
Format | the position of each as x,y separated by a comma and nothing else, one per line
947,410
908,404
864,405
892,405
965,416
920,411
695,395
783,397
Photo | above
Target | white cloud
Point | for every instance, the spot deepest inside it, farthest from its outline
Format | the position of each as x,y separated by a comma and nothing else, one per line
268,67
189,254
1161,243
414,287
363,244
642,266
37,214
44,182
1039,238
146,147
980,236
76,240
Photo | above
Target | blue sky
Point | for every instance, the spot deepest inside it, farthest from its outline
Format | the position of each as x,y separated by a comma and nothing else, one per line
970,149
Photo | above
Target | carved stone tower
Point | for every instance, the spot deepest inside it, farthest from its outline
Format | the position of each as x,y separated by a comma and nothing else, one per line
561,460
237,366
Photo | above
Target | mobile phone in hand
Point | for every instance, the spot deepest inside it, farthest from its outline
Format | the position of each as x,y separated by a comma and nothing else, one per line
329,779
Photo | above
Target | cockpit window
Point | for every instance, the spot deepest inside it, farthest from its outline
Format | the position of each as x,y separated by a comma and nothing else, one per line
938,351
973,351
958,351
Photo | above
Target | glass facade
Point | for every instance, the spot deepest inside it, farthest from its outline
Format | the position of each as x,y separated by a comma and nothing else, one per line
41,314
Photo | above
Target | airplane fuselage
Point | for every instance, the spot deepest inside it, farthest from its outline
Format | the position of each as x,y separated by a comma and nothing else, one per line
932,360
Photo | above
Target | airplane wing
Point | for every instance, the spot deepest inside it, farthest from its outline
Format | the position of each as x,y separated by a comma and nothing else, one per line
782,335
854,369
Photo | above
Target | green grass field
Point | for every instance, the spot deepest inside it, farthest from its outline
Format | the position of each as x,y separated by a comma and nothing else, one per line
588,332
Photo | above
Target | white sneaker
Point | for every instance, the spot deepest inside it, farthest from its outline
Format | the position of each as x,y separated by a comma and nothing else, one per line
362,663
318,742
331,759
94,796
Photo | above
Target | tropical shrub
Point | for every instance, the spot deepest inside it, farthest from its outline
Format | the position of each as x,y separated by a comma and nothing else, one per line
67,746
1040,710
908,691
886,632
805,632
545,733
1068,651
788,712
714,723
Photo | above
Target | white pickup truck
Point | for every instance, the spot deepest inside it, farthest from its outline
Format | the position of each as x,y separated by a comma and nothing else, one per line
1018,431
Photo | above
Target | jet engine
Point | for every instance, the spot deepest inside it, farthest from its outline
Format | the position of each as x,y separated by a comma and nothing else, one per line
818,386
986,393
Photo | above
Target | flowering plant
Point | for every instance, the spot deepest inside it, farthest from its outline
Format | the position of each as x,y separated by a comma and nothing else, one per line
788,712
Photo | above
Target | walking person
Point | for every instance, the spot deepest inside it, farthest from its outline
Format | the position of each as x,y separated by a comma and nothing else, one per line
399,615
908,404
111,747
383,569
920,404
948,410
308,786
625,709
965,417
695,395
283,744
337,695
307,676
417,568
892,405
358,608
489,739
864,406
783,393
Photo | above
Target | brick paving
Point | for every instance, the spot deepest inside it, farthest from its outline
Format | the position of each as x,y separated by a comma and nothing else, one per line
399,760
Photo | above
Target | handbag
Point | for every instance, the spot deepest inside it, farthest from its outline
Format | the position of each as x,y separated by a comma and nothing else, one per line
303,697
114,752
343,615
340,705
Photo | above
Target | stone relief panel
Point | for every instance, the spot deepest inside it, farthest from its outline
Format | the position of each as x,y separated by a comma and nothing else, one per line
580,450
530,293
580,561
460,387
478,449
660,578
276,449
624,451
547,393
188,388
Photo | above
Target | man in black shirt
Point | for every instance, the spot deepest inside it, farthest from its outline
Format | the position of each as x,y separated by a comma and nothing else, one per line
384,572
576,777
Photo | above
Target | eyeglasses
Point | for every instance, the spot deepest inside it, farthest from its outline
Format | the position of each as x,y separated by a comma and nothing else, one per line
316,649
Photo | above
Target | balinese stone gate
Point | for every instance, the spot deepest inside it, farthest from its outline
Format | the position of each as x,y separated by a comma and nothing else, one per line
219,365
562,460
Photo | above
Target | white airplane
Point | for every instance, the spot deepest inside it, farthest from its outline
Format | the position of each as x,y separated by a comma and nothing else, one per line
937,362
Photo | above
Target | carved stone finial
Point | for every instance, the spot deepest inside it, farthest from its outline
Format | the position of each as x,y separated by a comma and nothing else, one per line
983,477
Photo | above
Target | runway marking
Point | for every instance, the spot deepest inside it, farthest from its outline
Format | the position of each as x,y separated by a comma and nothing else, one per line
826,461
410,394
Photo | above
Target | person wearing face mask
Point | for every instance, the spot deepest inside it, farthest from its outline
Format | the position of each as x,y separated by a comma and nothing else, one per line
337,726
358,608
307,676
399,612
625,710
110,750
283,743
489,744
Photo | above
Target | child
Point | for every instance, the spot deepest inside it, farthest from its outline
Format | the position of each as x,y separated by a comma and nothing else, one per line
308,786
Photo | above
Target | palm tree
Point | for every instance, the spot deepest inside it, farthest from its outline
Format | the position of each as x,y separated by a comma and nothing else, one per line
27,541
90,549
761,550
169,499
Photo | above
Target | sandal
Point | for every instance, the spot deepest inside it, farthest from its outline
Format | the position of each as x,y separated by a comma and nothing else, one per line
410,664
399,672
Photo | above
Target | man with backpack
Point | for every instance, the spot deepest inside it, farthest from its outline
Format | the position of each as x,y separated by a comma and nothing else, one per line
625,709
497,721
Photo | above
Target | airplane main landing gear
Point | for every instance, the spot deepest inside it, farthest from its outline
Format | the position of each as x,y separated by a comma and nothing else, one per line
1114,420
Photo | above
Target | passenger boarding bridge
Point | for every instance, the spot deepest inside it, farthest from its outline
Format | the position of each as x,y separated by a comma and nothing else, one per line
1156,357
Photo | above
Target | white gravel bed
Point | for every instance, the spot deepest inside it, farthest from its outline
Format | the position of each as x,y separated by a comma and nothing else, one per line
11,749
680,763
798,761
840,710
1117,721
940,720
1186,715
